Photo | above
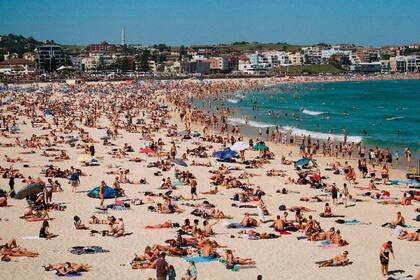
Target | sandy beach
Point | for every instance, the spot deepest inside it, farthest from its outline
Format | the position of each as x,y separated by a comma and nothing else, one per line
89,110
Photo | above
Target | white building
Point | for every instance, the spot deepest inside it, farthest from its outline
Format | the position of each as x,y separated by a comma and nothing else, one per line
354,59
326,54
296,58
385,66
402,63
275,58
250,67
17,66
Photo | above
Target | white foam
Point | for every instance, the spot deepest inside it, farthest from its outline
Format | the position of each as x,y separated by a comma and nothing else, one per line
312,113
235,121
394,118
232,100
321,135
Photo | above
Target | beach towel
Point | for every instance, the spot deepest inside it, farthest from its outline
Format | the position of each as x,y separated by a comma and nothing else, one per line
283,232
33,238
201,259
398,230
70,274
326,244
330,246
80,250
350,222
234,225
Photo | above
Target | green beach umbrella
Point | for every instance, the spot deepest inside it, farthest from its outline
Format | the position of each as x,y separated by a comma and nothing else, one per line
260,147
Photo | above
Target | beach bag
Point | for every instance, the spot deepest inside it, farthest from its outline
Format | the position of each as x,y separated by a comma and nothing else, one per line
418,218
282,207
236,197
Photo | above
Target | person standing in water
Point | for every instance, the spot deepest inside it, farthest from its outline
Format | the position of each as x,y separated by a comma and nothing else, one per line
345,135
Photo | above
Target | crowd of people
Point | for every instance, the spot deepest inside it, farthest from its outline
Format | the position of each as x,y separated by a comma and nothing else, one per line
175,136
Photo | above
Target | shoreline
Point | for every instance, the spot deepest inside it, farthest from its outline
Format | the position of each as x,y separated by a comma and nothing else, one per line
251,130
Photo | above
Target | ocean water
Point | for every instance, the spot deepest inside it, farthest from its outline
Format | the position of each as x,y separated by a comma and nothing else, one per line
378,113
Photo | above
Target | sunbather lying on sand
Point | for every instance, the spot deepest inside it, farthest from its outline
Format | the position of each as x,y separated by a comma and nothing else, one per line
11,249
410,236
167,224
67,268
253,235
94,221
313,199
213,191
340,260
231,260
300,208
148,255
32,215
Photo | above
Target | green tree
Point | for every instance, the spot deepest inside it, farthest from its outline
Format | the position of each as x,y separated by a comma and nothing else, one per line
182,52
144,61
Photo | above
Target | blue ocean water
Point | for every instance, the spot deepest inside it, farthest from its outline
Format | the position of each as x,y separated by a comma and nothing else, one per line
378,113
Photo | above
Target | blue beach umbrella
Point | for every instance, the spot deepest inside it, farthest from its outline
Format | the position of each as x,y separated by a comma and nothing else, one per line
108,193
299,164
225,154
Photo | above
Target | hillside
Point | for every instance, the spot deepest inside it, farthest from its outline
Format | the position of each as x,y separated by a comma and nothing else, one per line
17,44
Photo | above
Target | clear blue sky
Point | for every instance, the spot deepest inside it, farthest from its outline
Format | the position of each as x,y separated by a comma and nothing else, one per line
176,22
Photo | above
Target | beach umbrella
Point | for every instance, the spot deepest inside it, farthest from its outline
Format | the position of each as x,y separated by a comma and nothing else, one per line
179,162
88,159
31,189
108,193
239,146
147,151
225,154
84,158
260,147
299,164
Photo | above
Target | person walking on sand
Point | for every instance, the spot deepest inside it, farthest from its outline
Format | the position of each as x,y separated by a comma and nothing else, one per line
194,189
74,179
386,249
92,150
334,194
12,186
102,188
161,267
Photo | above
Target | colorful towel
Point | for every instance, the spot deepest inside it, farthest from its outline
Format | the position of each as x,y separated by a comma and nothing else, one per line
283,232
330,246
201,259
